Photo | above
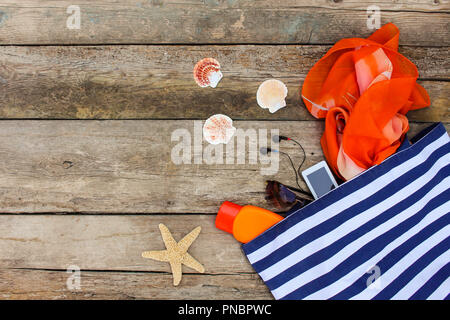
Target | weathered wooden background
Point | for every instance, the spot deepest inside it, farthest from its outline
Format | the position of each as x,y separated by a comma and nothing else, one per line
87,116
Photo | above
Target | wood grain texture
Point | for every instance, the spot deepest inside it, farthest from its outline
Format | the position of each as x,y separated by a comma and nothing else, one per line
35,252
424,23
389,5
397,5
48,284
127,166
121,172
156,82
113,243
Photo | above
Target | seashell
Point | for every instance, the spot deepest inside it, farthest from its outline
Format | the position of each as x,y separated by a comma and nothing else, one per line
271,94
207,72
218,129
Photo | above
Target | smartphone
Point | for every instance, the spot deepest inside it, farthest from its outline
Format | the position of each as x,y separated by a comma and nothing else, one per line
319,179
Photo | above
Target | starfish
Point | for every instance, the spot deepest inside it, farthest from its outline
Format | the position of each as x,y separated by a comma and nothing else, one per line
176,253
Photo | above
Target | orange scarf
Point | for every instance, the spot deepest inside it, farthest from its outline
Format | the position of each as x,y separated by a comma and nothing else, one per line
363,88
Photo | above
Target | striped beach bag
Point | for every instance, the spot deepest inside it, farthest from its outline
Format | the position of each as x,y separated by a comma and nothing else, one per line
385,234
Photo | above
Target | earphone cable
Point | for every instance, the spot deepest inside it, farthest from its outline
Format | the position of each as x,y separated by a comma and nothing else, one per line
304,155
293,167
298,173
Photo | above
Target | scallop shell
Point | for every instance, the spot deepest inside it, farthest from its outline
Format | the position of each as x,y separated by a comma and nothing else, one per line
218,129
271,95
207,72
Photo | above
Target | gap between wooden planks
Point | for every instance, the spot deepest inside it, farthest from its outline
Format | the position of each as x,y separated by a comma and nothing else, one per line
57,160
126,166
156,82
423,23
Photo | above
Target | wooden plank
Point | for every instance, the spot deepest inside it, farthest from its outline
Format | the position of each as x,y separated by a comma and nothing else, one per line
398,5
121,166
388,5
112,243
35,252
47,284
133,21
155,82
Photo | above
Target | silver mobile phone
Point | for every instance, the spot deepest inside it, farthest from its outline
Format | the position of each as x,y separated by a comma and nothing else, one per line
319,179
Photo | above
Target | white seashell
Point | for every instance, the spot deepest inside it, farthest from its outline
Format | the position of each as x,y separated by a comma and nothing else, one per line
207,73
218,129
271,95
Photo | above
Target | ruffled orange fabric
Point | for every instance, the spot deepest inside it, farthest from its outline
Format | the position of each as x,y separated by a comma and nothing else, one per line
363,88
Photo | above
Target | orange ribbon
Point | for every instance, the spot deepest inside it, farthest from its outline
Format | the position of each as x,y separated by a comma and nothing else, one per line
363,88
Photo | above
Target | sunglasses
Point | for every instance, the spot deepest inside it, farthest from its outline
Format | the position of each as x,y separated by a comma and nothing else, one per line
282,196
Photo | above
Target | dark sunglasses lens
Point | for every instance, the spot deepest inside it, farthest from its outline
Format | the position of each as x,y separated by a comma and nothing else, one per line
287,195
280,196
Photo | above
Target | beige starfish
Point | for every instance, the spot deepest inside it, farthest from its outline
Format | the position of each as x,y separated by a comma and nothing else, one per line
176,253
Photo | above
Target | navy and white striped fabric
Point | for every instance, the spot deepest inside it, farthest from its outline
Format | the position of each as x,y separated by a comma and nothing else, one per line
389,224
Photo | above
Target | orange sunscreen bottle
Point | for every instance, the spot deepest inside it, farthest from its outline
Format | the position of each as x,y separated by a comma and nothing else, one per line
245,223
